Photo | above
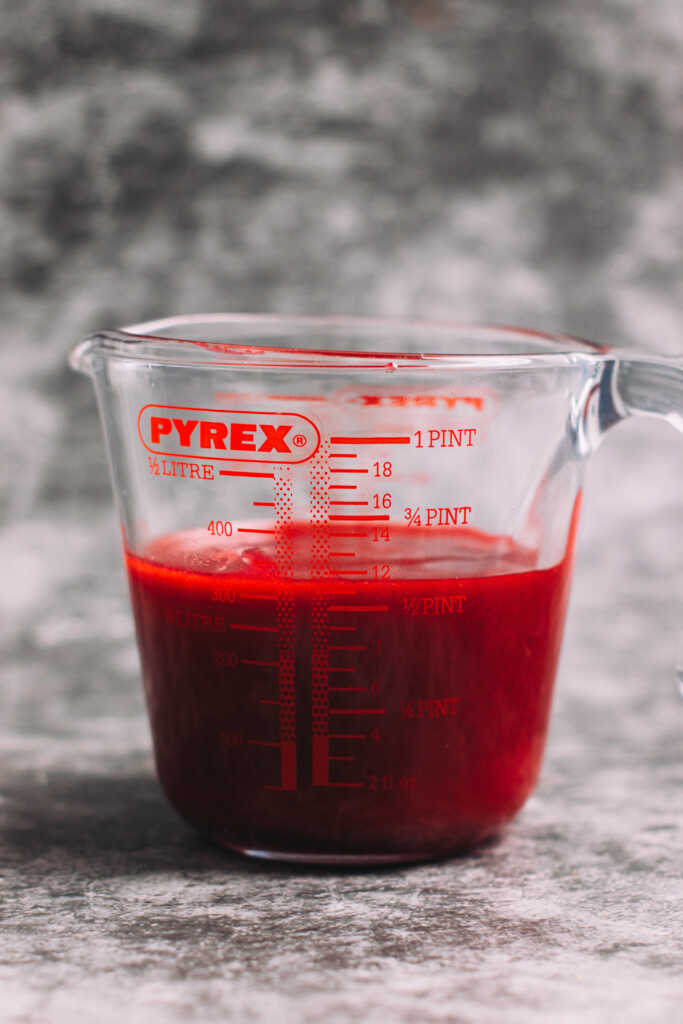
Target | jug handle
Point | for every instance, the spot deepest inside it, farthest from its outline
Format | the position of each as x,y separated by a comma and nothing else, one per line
635,385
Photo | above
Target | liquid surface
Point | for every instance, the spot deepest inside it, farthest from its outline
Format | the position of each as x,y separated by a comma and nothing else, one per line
333,716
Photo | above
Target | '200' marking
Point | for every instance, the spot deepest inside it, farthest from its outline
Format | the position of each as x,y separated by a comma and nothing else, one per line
228,435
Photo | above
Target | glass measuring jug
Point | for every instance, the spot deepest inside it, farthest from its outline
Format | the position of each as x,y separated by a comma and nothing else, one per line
349,547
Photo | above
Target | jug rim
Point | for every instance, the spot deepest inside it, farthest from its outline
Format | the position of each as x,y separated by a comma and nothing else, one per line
169,340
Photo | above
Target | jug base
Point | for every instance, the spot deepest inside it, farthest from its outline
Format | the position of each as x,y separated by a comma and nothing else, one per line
330,859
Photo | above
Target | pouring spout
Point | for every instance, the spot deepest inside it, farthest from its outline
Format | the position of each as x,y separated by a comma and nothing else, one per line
82,356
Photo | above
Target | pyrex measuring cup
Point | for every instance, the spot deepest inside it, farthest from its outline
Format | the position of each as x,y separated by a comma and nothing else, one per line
349,546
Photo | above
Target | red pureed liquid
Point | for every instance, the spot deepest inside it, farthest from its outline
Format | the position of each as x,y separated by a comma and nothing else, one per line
332,719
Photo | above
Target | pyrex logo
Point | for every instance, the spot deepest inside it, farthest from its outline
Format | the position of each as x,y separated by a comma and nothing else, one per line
232,435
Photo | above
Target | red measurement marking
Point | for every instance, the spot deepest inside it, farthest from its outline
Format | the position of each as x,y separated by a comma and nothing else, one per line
343,455
247,529
321,763
348,470
282,495
358,608
296,398
288,764
260,597
356,503
369,440
342,554
239,472
348,689
343,629
348,647
344,487
358,519
349,671
348,736
265,664
358,711
264,504
255,629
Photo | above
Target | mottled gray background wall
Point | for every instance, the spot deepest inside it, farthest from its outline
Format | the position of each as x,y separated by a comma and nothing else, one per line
507,160
514,161
480,159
